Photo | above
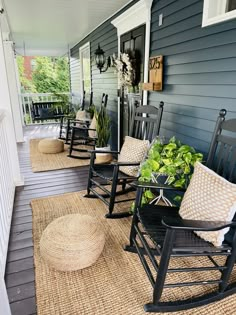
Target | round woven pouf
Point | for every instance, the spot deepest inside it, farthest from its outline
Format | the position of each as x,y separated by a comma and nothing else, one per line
51,146
72,242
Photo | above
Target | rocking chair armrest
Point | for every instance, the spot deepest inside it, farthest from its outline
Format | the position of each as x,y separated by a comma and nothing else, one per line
101,151
151,185
82,128
125,163
178,223
77,120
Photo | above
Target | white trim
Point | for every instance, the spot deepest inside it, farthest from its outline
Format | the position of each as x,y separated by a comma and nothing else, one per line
133,17
137,15
20,182
16,104
4,302
81,49
214,12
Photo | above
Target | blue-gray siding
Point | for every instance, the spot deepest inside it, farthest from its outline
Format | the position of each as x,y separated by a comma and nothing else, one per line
106,35
199,71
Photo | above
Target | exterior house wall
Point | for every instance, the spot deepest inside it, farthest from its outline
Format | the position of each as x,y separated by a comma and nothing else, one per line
105,82
106,36
199,70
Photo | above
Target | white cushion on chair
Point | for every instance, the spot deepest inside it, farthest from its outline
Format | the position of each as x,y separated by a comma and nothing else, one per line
209,197
133,150
92,133
81,114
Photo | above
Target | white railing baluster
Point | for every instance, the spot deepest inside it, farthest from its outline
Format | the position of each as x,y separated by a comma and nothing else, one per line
7,190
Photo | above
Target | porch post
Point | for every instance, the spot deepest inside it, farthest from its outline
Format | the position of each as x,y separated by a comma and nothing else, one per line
5,104
16,105
4,302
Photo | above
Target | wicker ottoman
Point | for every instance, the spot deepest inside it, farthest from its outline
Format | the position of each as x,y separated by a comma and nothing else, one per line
72,242
51,146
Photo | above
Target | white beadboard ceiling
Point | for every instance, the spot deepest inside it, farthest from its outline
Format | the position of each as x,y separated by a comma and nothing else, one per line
47,27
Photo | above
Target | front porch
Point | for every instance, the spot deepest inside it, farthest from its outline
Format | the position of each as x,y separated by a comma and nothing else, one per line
20,266
196,43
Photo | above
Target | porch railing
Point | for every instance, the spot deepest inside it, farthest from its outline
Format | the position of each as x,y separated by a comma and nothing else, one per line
28,98
7,191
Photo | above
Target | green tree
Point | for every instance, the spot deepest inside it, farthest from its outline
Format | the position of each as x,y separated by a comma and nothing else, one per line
51,76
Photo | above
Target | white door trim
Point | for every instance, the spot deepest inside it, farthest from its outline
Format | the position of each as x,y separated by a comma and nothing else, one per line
81,49
137,15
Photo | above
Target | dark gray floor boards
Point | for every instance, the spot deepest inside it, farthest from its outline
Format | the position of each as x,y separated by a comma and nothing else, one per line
20,269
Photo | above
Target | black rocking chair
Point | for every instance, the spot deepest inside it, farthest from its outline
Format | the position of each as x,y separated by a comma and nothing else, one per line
159,231
145,125
80,136
67,122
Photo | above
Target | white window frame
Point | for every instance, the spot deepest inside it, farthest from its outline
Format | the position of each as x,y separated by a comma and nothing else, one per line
218,8
81,50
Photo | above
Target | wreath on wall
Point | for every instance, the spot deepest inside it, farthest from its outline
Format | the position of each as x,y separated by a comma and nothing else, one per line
128,69
124,69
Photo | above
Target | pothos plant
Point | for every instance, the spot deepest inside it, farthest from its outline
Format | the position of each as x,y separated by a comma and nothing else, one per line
174,160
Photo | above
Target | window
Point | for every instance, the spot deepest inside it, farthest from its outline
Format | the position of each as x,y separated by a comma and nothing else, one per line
85,68
216,11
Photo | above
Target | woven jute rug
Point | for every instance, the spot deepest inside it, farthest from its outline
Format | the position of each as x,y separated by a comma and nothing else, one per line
116,284
41,162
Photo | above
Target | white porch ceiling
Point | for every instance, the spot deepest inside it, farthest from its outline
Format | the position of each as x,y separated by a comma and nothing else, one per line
47,27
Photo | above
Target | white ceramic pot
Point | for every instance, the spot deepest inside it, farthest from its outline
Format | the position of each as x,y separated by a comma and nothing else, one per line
103,157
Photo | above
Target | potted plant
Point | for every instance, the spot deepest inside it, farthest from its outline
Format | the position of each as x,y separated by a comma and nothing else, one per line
170,163
103,135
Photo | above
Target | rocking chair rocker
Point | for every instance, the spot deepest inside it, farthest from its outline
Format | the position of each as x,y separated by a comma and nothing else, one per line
160,231
145,125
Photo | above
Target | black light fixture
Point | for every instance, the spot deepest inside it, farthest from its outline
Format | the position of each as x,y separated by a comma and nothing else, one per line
101,60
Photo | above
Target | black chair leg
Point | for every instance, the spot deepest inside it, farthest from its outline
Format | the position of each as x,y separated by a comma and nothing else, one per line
123,185
61,123
230,264
67,131
113,192
162,272
71,142
89,185
135,220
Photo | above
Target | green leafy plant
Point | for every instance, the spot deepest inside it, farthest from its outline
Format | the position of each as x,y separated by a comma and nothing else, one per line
174,160
102,127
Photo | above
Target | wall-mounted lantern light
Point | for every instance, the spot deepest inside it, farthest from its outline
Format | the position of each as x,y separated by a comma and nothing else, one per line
102,62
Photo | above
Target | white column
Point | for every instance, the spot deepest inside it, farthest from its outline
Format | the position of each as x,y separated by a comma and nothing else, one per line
4,303
5,103
16,105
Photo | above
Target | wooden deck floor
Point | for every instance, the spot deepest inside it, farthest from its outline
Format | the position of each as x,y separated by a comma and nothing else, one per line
19,269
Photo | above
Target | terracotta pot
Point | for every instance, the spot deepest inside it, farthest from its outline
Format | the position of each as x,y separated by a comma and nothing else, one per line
103,157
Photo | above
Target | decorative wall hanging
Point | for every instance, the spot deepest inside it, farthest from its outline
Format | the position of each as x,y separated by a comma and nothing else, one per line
155,74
